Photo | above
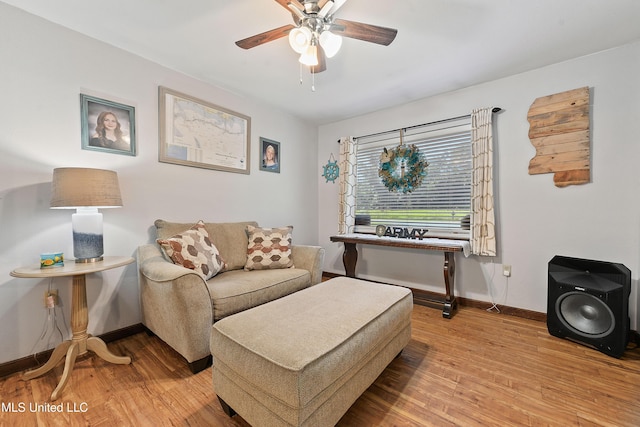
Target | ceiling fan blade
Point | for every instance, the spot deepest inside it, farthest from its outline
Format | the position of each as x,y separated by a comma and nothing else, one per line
296,3
296,13
295,7
325,8
337,4
366,32
267,36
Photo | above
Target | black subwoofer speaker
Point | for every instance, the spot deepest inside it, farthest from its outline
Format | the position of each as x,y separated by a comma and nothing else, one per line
588,302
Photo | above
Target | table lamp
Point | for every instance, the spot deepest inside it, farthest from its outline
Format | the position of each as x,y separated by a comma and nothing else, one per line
85,190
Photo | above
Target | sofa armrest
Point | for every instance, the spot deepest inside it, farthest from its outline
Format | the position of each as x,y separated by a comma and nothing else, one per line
310,258
176,303
154,266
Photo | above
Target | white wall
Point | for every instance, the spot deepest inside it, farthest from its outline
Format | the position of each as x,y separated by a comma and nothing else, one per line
599,220
44,69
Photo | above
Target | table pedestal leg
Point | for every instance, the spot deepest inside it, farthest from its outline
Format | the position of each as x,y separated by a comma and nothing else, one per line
450,302
80,342
349,259
56,356
99,347
70,360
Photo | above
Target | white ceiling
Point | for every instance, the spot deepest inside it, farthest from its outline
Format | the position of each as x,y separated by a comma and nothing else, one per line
442,45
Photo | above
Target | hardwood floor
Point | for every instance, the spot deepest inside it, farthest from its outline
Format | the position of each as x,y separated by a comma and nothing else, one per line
478,368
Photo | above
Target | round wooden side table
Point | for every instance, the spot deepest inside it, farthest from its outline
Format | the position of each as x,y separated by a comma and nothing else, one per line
81,342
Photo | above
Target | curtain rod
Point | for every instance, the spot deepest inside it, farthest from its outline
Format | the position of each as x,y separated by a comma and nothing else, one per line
494,110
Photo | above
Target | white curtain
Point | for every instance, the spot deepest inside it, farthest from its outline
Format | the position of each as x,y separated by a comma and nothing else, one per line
347,209
483,233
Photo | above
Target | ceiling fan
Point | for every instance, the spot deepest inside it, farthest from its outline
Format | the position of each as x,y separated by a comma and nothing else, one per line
317,34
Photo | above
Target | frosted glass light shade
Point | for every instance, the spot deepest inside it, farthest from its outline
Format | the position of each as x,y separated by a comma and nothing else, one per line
310,56
331,43
300,39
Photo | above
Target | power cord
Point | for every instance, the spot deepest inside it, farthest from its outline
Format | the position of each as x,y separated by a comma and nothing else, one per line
50,320
494,304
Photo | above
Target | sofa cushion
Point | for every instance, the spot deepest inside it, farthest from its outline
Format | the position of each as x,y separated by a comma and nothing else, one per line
269,248
239,290
192,249
229,237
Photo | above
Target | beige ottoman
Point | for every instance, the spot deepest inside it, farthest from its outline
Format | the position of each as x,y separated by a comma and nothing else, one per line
302,360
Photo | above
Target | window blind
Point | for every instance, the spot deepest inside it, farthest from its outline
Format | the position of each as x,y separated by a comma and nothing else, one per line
443,199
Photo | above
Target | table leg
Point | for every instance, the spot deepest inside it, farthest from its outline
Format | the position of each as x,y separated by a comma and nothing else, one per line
349,259
79,313
70,360
56,357
80,321
99,347
80,343
450,302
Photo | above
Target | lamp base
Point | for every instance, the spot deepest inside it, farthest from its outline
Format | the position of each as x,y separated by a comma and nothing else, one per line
88,260
87,235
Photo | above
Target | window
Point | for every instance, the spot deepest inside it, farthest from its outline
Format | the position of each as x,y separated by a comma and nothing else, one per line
441,204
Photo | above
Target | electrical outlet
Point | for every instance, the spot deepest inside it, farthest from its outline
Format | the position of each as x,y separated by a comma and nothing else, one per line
50,298
506,270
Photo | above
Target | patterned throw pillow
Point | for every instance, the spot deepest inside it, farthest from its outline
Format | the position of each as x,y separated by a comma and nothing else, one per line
193,249
269,248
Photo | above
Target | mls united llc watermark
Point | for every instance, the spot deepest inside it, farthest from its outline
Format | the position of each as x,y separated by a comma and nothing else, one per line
22,407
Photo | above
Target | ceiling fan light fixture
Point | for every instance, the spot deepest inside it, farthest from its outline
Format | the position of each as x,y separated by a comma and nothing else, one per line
316,35
331,43
310,56
300,39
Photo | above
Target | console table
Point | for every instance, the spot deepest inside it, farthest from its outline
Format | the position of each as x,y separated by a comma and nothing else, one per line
81,342
449,247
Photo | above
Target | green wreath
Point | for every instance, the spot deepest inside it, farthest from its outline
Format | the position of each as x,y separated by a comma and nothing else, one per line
402,168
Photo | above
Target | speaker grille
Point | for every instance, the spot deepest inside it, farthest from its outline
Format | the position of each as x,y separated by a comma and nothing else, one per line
585,314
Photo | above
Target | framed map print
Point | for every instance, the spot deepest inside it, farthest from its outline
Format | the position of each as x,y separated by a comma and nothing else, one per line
197,133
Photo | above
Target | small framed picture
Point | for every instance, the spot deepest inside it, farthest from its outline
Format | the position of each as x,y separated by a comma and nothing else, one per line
269,155
107,126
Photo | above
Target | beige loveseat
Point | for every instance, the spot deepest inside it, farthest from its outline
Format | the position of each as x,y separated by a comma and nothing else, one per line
180,306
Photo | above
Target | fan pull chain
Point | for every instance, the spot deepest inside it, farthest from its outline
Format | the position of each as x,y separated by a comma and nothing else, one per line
313,77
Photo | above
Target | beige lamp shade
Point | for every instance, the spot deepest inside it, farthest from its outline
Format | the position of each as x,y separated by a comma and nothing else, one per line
83,187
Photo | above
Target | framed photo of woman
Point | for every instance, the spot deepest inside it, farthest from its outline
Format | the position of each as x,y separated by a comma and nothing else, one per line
270,155
107,126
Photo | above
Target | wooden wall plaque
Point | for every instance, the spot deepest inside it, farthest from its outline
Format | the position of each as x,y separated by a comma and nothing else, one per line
559,131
